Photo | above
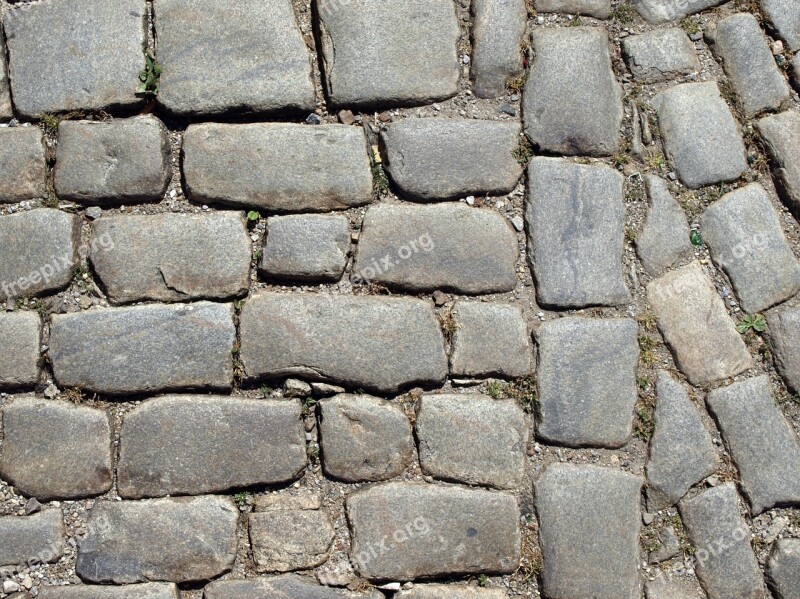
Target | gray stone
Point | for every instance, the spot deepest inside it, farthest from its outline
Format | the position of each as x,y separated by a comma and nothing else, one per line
700,134
572,103
69,445
279,167
784,16
171,257
696,326
20,338
446,159
587,381
144,349
23,172
783,569
761,441
662,588
746,240
404,531
660,55
280,501
449,247
669,546
497,33
781,134
278,587
364,438
152,590
472,439
576,229
376,343
662,11
576,503
6,108
450,591
287,540
100,49
367,64
120,161
40,537
599,9
306,247
795,73
664,240
783,331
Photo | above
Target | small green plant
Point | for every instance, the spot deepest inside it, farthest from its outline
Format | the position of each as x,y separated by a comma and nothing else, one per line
696,238
309,405
624,13
494,389
755,323
518,84
253,216
313,453
522,390
265,391
647,346
523,152
576,22
690,26
149,77
380,182
645,425
51,201
49,122
242,498
483,580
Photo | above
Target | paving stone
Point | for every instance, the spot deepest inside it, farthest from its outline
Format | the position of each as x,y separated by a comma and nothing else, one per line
374,343
404,531
281,501
696,326
724,561
472,439
288,585
781,134
490,339
497,33
587,381
152,590
287,540
576,228
783,569
423,164
579,502
448,247
40,536
664,240
6,108
367,64
175,540
306,247
153,348
761,442
681,451
174,445
100,46
171,257
450,591
784,16
672,589
660,55
20,336
599,9
23,172
783,330
120,161
269,166
661,11
572,104
69,445
364,438
745,237
669,546
700,134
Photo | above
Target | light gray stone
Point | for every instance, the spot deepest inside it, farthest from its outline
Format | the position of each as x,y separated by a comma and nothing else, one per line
497,33
277,587
783,569
664,240
152,590
23,172
660,55
599,9
287,540
662,11
784,16
450,591
783,331
281,501
662,588
6,108
20,338
40,537
781,134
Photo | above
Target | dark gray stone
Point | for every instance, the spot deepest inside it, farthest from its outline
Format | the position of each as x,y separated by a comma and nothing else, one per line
783,330
40,537
287,540
20,338
599,9
23,172
668,546
662,11
497,33
450,591
664,240
783,569
660,55
784,16
152,590
277,587
781,134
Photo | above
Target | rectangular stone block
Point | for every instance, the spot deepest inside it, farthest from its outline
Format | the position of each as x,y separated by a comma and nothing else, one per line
274,587
21,340
23,171
599,9
152,590
450,591
40,537
6,108
497,35
661,11
783,332
660,55
288,540
781,134
784,16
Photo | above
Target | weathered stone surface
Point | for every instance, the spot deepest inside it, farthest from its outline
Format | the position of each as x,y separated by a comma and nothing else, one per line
41,536
306,247
783,330
364,438
144,349
681,451
662,588
587,381
783,569
784,15
446,159
175,540
668,546
576,229
287,540
745,237
660,55
700,134
171,257
795,74
490,339
661,11
599,9
275,587
665,237
572,103
429,530
6,109
152,590
696,326
450,591
472,439
100,48
20,338
781,133
761,442
69,445
376,343
279,167
23,172
579,502
497,33
120,161
441,246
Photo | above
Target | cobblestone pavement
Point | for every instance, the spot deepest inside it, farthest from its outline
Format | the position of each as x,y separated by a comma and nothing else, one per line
419,299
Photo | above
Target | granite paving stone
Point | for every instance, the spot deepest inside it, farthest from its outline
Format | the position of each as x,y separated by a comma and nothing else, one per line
497,33
665,237
274,587
20,336
599,9
23,169
41,536
150,590
781,135
660,55
288,540
662,11
783,332
784,17
783,569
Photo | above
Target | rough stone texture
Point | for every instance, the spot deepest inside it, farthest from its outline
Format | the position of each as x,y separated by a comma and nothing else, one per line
367,64
700,134
152,590
490,339
661,11
441,591
497,34
763,445
306,247
664,240
783,569
20,338
269,166
446,159
282,501
745,237
795,74
69,445
784,15
171,257
576,228
572,103
23,172
41,535
364,438
783,330
100,49
175,540
450,247
120,161
287,540
576,503
376,343
587,381
144,349
278,587
660,55
175,445
696,326
781,133
599,9
681,451
662,588
6,109
403,531
472,439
